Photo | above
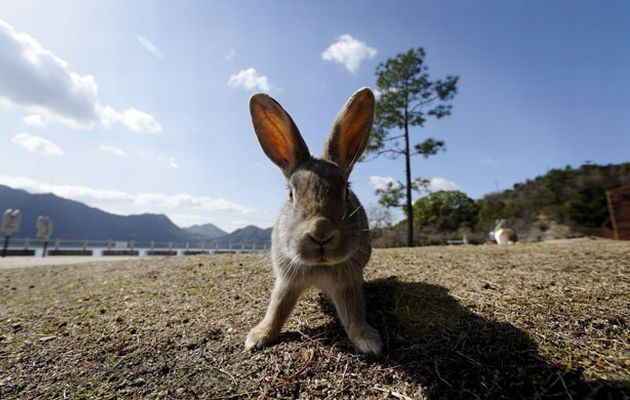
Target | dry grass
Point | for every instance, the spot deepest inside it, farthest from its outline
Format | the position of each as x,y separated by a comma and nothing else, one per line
526,321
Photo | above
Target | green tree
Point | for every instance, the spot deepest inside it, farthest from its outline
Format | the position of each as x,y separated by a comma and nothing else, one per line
408,98
446,211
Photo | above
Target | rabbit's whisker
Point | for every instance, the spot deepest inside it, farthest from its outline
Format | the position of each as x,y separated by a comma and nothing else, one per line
355,210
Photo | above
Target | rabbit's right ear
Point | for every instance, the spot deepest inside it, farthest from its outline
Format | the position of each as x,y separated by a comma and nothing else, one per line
279,138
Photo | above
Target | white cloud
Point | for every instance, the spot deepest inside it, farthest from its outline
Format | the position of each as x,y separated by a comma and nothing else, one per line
135,120
136,202
349,51
249,79
150,47
41,83
114,150
437,184
230,55
35,120
37,144
381,182
172,163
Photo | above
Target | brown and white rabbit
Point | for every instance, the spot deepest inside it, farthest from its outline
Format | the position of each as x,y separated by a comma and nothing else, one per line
503,235
321,238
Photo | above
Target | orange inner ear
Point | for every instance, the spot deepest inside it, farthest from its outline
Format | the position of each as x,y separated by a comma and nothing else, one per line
350,140
278,143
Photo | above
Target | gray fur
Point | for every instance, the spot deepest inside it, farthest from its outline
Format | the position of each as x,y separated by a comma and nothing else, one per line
321,238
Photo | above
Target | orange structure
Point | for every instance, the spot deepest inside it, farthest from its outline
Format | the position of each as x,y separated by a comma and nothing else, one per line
619,210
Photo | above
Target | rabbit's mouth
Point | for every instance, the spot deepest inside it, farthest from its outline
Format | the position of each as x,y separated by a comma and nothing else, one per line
323,255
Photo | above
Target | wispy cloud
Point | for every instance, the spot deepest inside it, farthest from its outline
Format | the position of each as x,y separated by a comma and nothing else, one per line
490,161
111,200
44,85
249,79
381,182
135,120
349,51
435,184
150,47
36,144
113,150
230,55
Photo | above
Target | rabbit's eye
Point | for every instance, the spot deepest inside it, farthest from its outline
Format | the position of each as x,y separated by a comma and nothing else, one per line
290,195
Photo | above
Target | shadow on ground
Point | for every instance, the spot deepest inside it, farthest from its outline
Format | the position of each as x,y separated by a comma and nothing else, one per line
454,353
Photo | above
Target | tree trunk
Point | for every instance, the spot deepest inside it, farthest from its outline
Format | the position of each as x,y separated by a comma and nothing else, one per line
408,185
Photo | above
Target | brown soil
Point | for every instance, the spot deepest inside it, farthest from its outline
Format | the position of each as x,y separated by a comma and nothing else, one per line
546,320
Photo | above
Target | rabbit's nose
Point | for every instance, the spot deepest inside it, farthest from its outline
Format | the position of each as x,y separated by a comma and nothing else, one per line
322,231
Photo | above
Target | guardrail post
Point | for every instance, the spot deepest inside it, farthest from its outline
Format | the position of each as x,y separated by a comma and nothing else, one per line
132,243
170,246
85,245
187,245
152,245
57,243
109,245
7,238
27,241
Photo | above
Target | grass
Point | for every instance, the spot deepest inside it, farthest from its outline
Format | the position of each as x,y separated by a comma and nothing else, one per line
547,320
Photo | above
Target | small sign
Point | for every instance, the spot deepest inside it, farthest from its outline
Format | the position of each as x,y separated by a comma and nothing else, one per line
11,221
44,227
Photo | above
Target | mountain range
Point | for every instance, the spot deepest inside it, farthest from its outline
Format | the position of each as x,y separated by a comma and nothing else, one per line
73,220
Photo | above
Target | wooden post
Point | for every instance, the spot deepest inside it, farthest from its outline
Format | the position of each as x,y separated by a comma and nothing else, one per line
611,210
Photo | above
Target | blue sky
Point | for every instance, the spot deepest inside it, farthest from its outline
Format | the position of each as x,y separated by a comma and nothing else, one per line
142,106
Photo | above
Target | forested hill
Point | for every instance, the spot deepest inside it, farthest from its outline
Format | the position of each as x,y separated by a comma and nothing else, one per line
575,197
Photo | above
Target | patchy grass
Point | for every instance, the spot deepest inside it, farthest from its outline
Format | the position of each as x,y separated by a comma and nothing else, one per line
525,321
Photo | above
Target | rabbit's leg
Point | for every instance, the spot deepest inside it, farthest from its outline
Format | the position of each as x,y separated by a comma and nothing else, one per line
283,299
350,307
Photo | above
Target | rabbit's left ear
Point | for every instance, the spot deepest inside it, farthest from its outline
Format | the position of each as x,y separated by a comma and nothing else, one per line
350,133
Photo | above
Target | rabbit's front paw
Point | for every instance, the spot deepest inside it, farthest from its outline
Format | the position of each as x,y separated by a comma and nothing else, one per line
259,336
367,340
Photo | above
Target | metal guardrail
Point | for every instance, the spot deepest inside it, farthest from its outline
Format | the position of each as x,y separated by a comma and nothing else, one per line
132,247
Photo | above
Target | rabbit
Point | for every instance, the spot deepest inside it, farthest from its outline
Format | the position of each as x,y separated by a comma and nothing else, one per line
321,238
503,235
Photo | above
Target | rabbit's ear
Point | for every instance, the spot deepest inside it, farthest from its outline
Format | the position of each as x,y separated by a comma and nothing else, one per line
350,133
277,133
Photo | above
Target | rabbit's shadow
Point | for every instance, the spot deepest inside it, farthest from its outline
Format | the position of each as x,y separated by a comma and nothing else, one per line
455,353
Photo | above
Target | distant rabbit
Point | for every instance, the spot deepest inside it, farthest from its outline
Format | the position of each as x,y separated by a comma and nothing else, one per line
321,237
503,235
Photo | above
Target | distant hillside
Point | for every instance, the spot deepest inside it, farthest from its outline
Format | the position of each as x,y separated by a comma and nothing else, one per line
74,220
248,235
207,231
575,197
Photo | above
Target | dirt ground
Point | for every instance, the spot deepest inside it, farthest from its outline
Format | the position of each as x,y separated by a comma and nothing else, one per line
547,320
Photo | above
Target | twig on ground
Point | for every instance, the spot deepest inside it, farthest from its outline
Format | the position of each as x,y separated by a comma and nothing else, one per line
393,393
307,361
